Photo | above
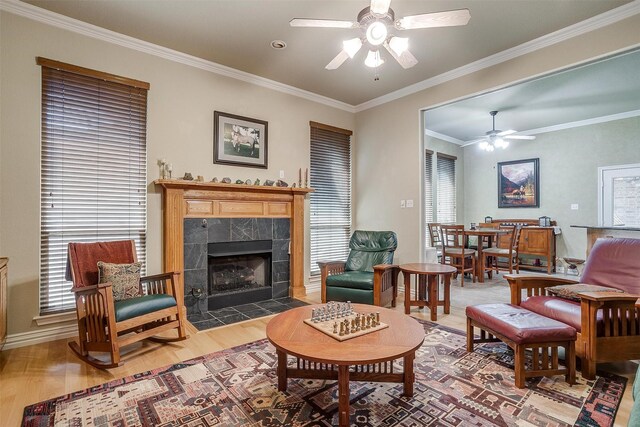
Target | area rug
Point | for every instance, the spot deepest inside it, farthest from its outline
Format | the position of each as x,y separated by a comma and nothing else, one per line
238,387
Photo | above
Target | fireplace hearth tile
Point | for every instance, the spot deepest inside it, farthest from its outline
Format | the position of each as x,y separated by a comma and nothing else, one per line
219,230
199,317
195,231
281,228
246,307
270,304
258,312
263,229
195,256
208,324
241,229
233,318
280,289
222,312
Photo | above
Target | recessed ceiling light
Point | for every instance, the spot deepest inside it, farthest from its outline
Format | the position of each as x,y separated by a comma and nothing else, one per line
278,44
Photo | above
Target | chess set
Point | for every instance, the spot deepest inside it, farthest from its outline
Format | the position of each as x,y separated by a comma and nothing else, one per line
341,322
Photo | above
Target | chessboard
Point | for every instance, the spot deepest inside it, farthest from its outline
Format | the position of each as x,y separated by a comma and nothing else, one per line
327,328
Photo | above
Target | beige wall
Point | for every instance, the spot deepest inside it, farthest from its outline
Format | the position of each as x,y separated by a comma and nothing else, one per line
569,162
444,147
180,129
388,155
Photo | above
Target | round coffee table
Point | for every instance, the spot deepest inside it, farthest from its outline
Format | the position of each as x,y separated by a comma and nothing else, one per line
368,357
427,278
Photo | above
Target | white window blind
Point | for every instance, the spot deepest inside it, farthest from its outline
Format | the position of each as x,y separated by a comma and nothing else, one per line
428,192
446,189
93,176
330,208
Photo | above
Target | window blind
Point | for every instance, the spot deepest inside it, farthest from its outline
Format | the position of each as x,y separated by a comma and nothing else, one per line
428,193
93,171
446,189
330,203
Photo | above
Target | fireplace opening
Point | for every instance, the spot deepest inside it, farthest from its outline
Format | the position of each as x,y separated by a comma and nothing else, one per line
239,272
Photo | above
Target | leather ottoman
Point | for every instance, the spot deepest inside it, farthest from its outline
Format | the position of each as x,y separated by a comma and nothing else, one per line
522,330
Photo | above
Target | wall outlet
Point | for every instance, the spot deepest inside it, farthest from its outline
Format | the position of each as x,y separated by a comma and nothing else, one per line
574,206
281,174
402,204
409,203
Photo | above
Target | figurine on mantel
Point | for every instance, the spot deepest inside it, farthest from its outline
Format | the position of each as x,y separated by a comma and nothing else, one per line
269,183
215,179
281,183
226,180
248,182
239,181
257,181
187,176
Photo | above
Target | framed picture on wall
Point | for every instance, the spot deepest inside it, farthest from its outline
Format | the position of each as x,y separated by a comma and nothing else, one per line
519,184
239,141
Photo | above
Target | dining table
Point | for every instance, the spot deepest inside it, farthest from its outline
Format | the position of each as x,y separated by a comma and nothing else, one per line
483,233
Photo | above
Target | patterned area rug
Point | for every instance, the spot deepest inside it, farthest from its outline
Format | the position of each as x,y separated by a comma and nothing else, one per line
238,387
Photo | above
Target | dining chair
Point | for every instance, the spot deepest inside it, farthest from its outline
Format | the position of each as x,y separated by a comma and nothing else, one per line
455,254
436,238
506,248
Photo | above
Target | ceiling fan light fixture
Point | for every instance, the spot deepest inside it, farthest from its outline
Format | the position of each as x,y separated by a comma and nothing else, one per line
377,33
373,59
352,46
380,7
399,45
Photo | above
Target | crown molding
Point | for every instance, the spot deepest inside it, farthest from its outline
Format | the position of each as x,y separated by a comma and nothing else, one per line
580,123
56,20
443,137
607,18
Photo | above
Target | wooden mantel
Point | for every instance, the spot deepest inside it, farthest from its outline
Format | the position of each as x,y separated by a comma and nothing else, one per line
191,199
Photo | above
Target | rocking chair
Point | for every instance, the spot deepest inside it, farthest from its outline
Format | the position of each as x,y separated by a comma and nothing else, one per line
106,325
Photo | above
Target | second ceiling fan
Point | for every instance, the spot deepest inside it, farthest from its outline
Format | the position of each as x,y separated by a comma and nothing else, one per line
377,23
495,137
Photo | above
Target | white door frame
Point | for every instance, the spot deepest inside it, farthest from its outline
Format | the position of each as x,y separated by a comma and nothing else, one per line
601,171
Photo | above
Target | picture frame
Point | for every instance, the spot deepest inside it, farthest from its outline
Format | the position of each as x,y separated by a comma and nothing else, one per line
240,141
519,184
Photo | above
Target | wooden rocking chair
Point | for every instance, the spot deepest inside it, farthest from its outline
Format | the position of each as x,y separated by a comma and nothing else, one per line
106,325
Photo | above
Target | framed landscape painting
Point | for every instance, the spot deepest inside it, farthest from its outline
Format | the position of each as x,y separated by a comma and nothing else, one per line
519,184
239,141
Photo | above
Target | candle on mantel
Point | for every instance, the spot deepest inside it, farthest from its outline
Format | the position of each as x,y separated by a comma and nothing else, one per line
300,177
306,177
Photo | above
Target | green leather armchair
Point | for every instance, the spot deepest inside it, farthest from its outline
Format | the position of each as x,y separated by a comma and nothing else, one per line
368,276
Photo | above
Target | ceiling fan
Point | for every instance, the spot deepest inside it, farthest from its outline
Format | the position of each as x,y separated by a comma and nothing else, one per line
377,23
496,138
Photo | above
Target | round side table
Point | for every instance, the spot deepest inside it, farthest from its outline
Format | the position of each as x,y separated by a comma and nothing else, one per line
427,288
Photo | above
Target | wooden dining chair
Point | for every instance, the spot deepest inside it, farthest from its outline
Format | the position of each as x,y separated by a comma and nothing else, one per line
506,248
436,238
455,254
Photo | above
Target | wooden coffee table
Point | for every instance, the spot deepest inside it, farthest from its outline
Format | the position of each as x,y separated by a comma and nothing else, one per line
427,279
365,358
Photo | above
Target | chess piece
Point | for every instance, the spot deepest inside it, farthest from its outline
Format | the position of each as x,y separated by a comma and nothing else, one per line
226,180
335,327
377,317
341,329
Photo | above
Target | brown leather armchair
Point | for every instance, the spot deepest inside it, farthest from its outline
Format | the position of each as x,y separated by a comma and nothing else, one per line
607,323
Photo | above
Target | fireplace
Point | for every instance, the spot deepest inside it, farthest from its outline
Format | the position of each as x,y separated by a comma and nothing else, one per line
238,272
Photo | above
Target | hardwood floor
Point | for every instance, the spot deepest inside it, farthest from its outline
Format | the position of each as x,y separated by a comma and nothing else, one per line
43,371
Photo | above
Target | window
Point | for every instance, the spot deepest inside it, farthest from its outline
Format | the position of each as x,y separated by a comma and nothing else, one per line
446,189
93,168
428,192
330,208
620,196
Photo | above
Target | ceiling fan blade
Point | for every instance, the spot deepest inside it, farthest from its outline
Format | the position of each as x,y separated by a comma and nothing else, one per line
520,137
322,23
438,19
475,141
380,7
507,132
338,60
405,59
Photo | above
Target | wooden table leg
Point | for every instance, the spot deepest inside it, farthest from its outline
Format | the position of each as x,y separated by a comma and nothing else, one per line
433,296
282,370
422,288
407,291
479,263
447,293
343,395
409,376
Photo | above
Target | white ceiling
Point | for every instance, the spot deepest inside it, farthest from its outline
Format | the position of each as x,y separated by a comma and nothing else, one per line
609,87
237,34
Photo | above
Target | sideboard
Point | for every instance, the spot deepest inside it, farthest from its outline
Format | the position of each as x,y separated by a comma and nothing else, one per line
537,244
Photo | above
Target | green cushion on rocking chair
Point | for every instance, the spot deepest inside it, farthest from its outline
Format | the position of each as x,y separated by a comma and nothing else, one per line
138,306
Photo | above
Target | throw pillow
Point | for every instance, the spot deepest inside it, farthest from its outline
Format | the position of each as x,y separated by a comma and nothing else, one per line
570,292
125,279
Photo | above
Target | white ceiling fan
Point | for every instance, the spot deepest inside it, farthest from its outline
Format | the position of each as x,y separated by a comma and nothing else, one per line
495,137
377,23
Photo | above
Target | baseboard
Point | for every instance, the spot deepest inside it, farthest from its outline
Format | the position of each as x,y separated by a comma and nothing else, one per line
24,339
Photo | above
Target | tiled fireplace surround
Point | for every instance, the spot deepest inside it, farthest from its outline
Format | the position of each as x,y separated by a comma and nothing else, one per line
198,232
